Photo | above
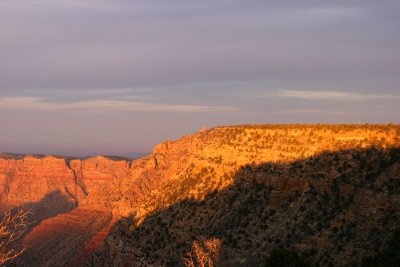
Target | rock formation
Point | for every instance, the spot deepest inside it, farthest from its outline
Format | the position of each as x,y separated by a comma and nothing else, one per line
247,188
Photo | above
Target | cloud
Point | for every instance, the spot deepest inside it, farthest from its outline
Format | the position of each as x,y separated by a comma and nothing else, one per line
334,95
321,111
37,103
154,43
110,91
294,111
82,93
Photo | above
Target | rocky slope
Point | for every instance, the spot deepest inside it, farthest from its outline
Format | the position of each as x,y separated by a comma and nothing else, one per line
331,192
246,188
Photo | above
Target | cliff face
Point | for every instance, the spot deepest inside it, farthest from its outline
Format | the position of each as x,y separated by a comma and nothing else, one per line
211,185
345,213
94,183
196,165
30,179
122,186
253,188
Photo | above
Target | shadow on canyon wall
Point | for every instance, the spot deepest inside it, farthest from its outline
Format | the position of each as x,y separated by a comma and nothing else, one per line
336,208
51,205
60,233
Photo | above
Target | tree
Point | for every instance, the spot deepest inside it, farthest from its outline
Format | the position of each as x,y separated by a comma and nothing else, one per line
204,253
12,227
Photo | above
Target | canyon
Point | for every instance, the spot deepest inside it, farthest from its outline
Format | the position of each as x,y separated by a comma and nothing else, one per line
331,192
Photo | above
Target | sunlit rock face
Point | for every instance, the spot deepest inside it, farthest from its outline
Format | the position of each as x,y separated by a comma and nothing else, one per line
96,183
189,169
196,165
30,179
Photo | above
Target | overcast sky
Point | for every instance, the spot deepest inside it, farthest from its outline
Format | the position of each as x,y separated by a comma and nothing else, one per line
84,77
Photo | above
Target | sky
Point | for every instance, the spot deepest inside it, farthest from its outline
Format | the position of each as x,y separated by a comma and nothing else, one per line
116,77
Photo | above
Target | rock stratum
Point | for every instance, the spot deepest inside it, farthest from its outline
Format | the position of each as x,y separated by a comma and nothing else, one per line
231,194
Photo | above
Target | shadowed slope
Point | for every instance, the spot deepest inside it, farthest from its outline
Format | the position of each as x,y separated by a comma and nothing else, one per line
337,207
59,233
64,240
51,205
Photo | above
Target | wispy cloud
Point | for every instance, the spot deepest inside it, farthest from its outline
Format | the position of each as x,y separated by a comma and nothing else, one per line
291,111
37,103
51,95
334,95
108,91
320,111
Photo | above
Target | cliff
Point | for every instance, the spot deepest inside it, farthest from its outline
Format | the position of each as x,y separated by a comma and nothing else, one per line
251,188
95,183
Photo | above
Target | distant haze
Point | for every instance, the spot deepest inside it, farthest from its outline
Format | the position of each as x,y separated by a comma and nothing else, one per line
83,77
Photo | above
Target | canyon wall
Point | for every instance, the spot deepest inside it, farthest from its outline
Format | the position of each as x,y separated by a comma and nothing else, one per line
253,188
95,183
176,172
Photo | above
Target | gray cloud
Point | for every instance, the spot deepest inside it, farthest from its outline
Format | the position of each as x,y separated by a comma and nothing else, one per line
75,44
